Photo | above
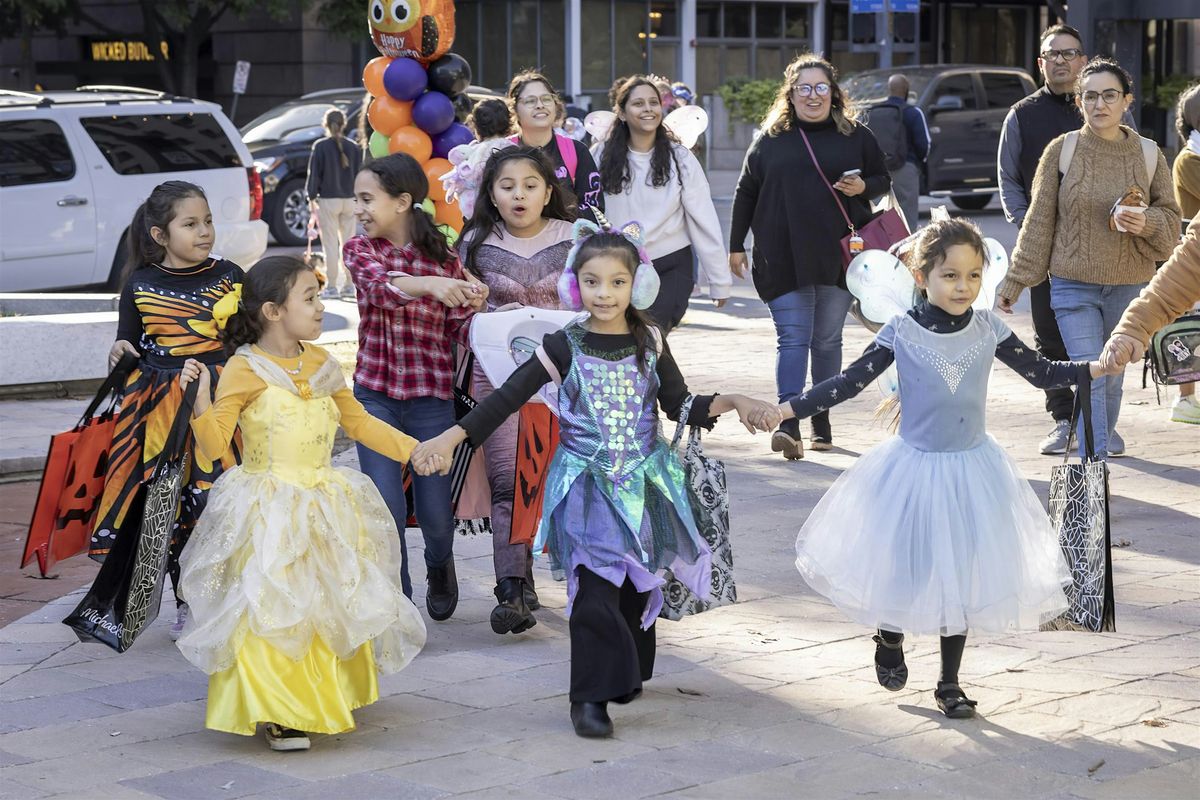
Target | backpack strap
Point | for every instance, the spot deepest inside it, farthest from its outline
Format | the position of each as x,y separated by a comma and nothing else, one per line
1067,153
566,149
1150,156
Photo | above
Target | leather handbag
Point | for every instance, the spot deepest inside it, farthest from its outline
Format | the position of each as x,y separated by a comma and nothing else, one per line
884,230
708,494
1079,513
73,478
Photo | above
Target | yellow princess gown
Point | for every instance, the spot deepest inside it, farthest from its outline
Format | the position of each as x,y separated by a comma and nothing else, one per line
293,572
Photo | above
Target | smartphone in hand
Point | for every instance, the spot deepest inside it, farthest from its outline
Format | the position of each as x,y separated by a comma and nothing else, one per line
850,173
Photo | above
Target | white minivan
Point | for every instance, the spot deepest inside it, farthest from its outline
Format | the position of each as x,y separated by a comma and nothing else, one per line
74,165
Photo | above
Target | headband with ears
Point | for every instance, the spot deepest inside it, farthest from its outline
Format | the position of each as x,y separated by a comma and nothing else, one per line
645,280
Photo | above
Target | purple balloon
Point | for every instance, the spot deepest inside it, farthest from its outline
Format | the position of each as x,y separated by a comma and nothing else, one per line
405,79
452,137
433,113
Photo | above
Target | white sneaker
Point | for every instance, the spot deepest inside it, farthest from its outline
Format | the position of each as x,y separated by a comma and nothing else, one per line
1186,409
181,617
1055,443
284,739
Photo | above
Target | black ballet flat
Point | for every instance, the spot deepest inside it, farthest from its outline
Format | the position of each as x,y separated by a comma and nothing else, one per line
591,720
953,703
891,678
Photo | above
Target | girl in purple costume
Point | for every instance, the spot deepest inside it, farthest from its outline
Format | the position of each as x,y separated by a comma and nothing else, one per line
615,511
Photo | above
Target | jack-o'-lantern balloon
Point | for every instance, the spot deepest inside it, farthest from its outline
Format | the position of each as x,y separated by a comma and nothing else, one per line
420,29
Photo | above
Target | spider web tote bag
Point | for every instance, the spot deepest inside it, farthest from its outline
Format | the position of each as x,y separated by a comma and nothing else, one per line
1079,513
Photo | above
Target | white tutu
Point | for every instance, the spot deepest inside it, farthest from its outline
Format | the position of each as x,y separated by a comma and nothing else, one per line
935,542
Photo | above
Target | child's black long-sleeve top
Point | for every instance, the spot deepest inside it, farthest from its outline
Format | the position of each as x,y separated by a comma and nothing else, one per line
1024,360
533,374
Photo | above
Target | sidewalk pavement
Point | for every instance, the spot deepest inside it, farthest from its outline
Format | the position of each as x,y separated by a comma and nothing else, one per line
774,697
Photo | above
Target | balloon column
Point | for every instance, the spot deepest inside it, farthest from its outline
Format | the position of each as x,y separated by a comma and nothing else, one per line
418,90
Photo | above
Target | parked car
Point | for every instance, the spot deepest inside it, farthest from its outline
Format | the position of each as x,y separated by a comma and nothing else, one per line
281,142
75,165
965,106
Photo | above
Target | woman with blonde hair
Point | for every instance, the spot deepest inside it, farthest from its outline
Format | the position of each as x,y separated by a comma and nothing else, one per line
809,142
332,166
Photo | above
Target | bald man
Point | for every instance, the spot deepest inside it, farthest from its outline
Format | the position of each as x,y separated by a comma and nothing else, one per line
906,179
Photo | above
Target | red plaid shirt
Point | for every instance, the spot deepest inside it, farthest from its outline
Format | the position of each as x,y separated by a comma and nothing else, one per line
404,343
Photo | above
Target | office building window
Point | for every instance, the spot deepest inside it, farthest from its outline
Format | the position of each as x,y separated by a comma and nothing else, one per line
748,40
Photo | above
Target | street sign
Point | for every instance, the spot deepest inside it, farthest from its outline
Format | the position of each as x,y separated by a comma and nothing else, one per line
241,75
906,6
866,6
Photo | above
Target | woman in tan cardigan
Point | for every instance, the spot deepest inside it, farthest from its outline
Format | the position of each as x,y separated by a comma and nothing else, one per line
1095,269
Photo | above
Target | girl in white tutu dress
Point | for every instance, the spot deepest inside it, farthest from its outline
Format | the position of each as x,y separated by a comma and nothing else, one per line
935,531
293,572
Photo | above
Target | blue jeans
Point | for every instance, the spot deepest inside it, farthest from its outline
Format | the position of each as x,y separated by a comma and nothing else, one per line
1087,314
808,320
422,418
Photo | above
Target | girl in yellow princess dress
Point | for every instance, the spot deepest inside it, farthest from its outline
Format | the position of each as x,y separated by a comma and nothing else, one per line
293,572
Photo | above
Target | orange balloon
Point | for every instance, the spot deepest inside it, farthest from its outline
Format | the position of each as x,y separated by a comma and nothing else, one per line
412,140
435,168
448,214
388,115
373,76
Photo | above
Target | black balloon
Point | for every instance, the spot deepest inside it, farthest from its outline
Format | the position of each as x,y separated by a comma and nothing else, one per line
462,106
450,74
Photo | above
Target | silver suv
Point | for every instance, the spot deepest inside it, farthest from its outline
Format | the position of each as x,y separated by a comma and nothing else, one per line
74,165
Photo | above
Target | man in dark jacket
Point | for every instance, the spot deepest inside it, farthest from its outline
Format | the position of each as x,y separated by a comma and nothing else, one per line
906,181
1029,127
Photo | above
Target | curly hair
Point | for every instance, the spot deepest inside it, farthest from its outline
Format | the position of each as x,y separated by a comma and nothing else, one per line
781,116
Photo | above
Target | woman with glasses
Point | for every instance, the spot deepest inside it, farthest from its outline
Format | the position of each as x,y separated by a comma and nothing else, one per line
538,106
783,196
1100,217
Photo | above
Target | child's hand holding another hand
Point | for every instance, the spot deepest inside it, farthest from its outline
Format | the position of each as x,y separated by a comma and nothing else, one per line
757,415
437,454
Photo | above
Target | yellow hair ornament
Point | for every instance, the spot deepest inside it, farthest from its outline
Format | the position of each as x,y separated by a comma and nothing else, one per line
227,306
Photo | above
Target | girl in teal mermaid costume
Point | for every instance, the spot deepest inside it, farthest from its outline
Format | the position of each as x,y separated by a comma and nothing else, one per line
616,512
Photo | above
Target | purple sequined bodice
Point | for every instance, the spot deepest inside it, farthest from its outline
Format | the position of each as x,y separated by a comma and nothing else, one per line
512,278
607,409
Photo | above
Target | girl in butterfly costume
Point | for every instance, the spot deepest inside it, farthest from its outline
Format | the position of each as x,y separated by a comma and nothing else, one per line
935,531
616,510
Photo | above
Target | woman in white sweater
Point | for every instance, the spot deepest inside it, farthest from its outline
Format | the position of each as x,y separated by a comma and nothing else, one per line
650,177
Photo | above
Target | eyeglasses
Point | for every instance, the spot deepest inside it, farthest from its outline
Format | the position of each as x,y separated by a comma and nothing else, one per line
546,100
1070,54
807,89
1109,96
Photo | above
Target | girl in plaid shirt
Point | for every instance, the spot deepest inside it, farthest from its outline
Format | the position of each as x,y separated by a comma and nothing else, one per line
413,300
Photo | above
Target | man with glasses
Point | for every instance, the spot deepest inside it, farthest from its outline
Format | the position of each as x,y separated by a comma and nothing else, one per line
1030,126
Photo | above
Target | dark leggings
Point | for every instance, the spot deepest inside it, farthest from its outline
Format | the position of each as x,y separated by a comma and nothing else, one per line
610,653
675,274
952,653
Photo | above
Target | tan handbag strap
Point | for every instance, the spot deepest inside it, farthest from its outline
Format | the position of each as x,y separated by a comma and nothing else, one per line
828,185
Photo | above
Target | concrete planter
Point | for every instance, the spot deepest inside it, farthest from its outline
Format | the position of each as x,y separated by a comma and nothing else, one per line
55,348
729,140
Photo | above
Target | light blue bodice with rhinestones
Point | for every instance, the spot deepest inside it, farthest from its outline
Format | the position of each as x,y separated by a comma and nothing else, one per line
607,409
943,382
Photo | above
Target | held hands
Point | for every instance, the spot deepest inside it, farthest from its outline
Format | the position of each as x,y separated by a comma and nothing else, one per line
851,186
757,415
1119,351
436,455
1004,304
120,347
454,293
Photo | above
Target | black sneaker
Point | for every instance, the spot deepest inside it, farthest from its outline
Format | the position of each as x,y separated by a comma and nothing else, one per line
441,591
284,739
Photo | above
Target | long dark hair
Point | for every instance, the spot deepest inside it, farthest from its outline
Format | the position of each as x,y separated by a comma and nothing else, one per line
614,163
270,281
156,212
486,218
400,174
615,245
334,123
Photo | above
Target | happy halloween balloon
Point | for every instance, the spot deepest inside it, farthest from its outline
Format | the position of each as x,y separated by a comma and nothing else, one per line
420,29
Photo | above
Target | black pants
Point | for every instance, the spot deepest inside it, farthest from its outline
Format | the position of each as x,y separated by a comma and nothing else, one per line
610,653
1059,402
675,272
